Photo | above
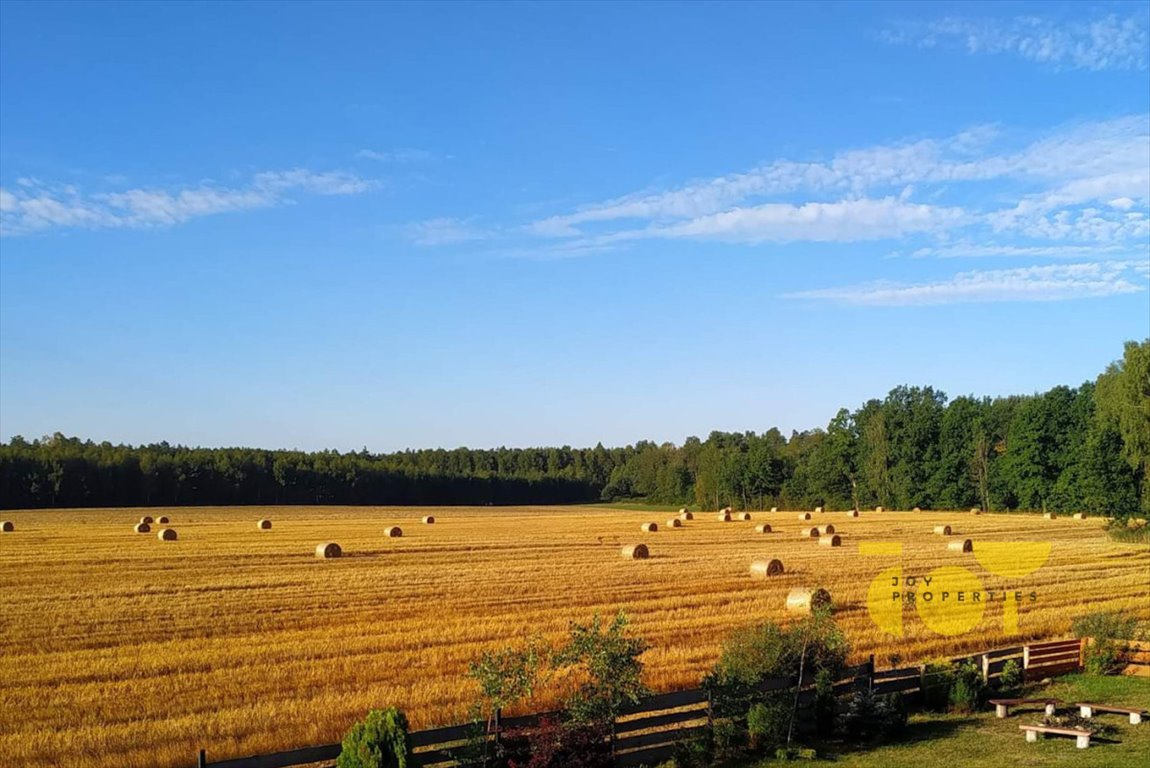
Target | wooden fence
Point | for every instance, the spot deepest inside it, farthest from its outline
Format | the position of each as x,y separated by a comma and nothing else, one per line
648,733
1133,657
1136,656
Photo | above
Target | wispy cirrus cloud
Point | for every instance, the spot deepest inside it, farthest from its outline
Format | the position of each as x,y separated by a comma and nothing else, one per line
1106,42
843,221
1075,192
1051,282
967,250
445,231
400,155
33,206
1090,180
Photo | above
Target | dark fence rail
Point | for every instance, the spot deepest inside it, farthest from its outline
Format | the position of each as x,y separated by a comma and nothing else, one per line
647,734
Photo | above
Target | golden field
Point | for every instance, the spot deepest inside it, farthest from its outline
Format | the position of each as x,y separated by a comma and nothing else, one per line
118,650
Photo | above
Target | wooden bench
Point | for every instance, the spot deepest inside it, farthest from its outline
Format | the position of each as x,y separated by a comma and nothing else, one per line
1001,705
1032,732
1088,710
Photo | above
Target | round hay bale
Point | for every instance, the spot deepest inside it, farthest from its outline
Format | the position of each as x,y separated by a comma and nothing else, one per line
763,568
917,509
674,522
826,529
429,519
685,515
962,545
147,519
1079,515
143,528
804,515
878,509
1049,516
163,520
975,511
728,510
763,528
942,530
774,509
810,533
831,541
166,534
635,552
818,509
852,513
649,527
394,532
264,525
724,517
744,516
8,526
805,600
328,550
684,511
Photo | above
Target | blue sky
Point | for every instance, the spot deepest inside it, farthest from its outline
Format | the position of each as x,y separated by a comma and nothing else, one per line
325,225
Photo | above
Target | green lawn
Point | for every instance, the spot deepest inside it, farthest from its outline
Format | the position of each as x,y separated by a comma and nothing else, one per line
984,741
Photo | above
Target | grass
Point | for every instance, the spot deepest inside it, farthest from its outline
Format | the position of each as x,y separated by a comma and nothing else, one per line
641,506
121,651
984,741
1133,533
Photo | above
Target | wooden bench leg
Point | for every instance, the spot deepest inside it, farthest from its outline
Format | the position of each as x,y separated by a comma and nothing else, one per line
1032,735
1050,710
1086,712
1135,718
1000,710
1084,741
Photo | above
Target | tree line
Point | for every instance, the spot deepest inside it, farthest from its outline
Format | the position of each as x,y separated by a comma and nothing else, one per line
1068,449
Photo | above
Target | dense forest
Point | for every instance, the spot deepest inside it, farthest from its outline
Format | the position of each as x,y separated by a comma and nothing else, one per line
1068,449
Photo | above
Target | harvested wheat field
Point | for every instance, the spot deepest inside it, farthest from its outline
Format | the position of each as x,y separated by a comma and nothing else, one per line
121,651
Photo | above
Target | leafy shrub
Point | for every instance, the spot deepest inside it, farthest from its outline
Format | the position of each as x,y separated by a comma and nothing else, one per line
729,738
380,741
1109,633
767,723
757,652
937,681
892,714
824,709
609,661
968,689
566,745
1010,679
694,752
870,717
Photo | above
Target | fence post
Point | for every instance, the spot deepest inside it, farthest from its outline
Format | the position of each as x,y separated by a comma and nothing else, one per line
986,667
1081,653
1025,660
710,713
922,682
202,761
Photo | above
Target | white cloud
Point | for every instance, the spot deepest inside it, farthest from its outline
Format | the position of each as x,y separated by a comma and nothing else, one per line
401,155
1108,42
36,207
971,250
1072,166
841,221
444,231
1039,283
